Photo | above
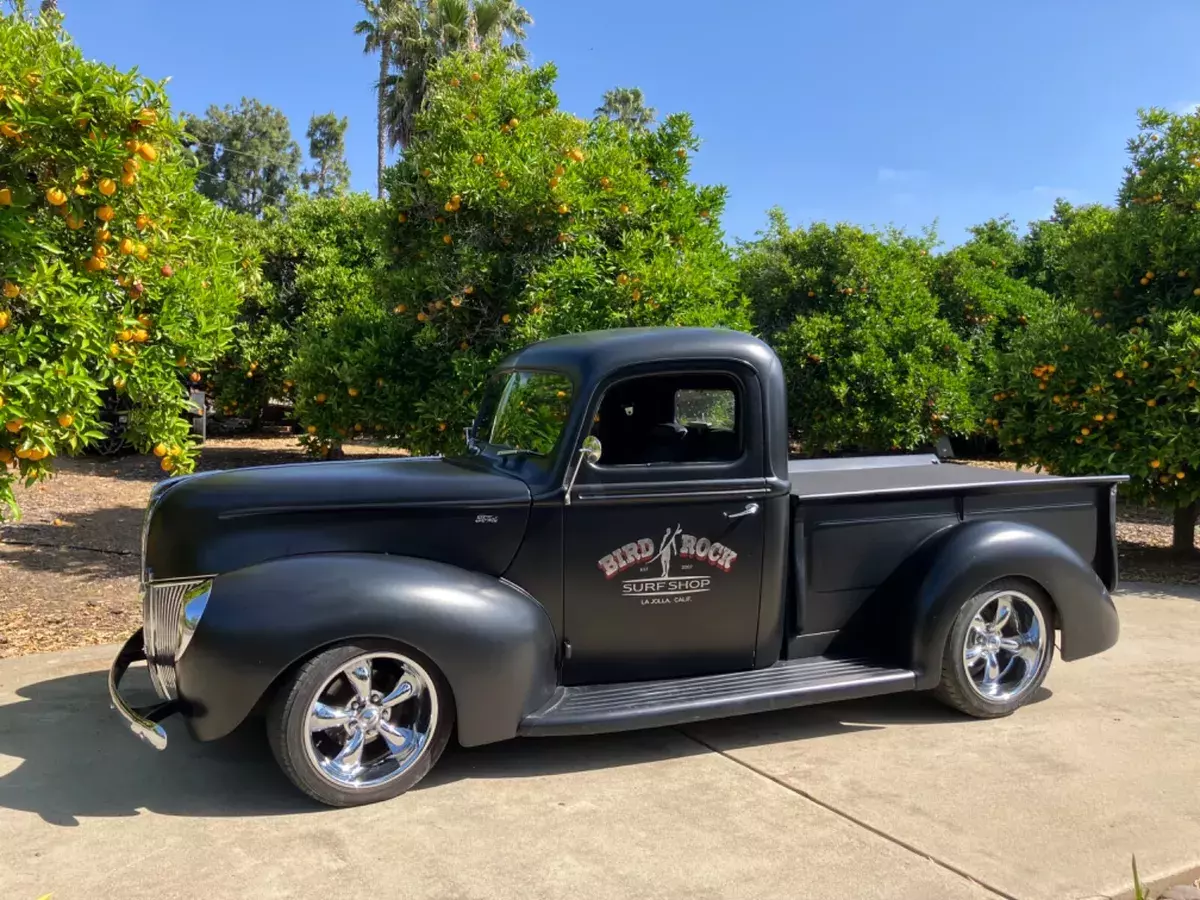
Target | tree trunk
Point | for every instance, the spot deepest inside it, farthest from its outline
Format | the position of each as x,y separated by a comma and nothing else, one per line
385,63
1183,540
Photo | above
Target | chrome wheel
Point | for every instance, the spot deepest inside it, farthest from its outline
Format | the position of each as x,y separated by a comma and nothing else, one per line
1005,646
371,720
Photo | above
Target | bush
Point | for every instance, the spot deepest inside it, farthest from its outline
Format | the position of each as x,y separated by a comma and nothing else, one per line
1115,384
869,363
510,221
114,273
986,303
314,259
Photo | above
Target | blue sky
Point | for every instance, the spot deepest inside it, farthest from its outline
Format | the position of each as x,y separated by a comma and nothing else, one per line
871,112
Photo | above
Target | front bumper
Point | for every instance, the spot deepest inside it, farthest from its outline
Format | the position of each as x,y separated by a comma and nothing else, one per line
143,720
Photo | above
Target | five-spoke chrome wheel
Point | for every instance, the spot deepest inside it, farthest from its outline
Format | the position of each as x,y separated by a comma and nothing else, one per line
371,720
1005,645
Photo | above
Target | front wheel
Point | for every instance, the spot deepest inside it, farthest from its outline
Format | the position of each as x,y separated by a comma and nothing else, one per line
999,649
359,724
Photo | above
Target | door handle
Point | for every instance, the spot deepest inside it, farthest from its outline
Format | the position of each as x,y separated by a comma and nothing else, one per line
750,510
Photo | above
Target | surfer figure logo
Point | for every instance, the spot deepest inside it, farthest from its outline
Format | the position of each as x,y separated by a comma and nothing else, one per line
666,550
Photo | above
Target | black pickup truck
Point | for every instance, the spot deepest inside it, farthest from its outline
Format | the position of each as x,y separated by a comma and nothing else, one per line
624,545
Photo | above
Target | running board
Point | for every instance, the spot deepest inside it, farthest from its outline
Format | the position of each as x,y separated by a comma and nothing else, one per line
591,709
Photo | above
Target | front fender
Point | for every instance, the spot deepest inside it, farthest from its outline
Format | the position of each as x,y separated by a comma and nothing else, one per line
961,560
493,643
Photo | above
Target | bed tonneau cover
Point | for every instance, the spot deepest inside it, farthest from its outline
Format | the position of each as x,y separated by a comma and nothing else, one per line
881,476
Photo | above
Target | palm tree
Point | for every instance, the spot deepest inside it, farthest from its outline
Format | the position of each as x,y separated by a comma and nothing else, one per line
380,29
436,29
627,107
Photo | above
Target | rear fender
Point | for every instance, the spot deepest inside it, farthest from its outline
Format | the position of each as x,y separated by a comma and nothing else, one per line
493,643
957,562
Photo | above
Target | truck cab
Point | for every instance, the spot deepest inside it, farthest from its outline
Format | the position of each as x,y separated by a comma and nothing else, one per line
624,544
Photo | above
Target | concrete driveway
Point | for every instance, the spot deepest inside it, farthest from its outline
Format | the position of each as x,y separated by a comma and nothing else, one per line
888,798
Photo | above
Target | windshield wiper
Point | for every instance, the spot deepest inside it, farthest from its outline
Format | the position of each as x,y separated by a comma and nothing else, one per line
519,451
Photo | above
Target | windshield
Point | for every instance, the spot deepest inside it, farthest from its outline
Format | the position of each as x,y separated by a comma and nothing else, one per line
523,412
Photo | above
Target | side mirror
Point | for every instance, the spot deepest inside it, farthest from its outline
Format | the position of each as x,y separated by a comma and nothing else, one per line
590,451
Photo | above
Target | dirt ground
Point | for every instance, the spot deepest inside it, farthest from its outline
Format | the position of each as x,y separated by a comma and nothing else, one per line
69,568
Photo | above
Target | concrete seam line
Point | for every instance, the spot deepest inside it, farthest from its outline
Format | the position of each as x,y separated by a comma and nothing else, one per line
911,848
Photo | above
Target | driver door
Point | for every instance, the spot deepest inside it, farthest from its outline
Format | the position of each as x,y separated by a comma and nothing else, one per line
663,537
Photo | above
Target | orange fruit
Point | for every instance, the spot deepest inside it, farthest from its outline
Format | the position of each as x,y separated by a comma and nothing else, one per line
681,153
9,130
421,317
1120,373
141,251
553,182
103,234
1152,402
56,197
506,318
141,336
454,82
477,159
456,302
5,196
95,264
353,392
319,399
126,247
1179,475
105,213
5,318
147,117
399,308
107,187
475,76
441,426
129,179
14,425
402,218
166,464
311,429
446,239
147,152
65,420
5,456
11,290
195,377
563,209
624,208
1143,282
160,450
622,278
142,222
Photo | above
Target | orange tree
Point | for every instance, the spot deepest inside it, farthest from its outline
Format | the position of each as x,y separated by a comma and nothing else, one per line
1113,384
870,364
113,274
508,221
316,258
983,292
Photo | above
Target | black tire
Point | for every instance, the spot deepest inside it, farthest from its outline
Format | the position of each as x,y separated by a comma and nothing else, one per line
957,687
288,729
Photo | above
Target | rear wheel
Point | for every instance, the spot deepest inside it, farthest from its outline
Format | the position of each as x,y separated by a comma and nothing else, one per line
359,724
999,649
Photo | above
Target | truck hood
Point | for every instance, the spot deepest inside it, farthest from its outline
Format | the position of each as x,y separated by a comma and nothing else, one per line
453,512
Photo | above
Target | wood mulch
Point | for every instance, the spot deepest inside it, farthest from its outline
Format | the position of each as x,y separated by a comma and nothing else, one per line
69,567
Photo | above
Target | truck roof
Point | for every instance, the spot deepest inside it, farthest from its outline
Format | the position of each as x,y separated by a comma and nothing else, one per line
591,353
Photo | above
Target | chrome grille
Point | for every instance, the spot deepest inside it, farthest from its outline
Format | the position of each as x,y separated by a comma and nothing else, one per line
161,604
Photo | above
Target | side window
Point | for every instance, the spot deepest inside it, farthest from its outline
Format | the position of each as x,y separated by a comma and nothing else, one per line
670,419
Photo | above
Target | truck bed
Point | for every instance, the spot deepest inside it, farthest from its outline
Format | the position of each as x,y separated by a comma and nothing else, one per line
882,476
